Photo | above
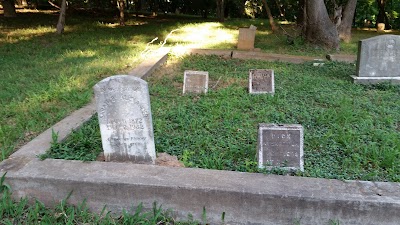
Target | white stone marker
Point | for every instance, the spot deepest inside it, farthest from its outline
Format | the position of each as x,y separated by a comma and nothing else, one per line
261,81
123,107
195,82
280,146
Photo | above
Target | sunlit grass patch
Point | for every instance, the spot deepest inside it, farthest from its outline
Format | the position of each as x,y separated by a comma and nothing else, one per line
205,35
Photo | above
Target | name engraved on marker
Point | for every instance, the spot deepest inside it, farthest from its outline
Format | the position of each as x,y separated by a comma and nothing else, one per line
261,81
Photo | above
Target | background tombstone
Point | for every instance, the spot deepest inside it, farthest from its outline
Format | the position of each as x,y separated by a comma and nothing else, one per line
195,82
246,38
378,60
280,146
261,81
123,107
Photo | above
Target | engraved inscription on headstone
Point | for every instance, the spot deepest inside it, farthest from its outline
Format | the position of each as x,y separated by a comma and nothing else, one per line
261,81
280,146
378,59
195,82
123,107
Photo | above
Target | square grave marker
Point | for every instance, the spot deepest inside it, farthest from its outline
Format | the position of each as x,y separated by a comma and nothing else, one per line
280,146
123,107
195,82
261,81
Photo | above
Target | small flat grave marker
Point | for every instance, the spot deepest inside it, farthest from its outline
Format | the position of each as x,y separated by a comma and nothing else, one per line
280,146
123,107
195,82
261,81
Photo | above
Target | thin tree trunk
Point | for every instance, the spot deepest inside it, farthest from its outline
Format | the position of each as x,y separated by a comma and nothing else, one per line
344,28
61,18
381,11
301,14
319,29
138,7
220,11
9,8
281,12
121,7
270,17
382,17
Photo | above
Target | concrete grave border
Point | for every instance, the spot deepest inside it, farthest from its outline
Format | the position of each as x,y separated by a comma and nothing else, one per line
244,198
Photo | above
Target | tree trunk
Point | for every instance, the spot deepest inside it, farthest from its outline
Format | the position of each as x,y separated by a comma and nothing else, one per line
270,17
301,14
61,18
121,7
9,8
138,7
344,28
220,11
319,29
382,17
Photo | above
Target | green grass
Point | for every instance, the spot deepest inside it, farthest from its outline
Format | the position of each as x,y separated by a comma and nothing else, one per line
351,131
44,77
23,212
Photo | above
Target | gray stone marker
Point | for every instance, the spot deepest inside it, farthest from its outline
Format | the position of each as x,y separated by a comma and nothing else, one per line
195,82
261,81
378,60
123,107
280,146
246,38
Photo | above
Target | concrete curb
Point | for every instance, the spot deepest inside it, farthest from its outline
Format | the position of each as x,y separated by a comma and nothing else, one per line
235,54
243,198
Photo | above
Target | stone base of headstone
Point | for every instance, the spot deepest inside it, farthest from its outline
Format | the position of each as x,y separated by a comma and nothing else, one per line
376,80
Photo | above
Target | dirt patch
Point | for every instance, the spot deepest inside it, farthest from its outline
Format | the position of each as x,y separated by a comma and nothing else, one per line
163,159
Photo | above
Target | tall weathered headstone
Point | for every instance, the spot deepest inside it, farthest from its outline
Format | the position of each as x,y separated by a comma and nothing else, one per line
280,146
195,82
123,108
246,38
261,81
378,60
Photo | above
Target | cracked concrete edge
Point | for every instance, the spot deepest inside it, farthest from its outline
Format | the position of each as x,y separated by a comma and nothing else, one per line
153,62
237,54
246,198
41,143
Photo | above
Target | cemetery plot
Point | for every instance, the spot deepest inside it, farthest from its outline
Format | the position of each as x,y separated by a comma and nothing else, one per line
350,131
